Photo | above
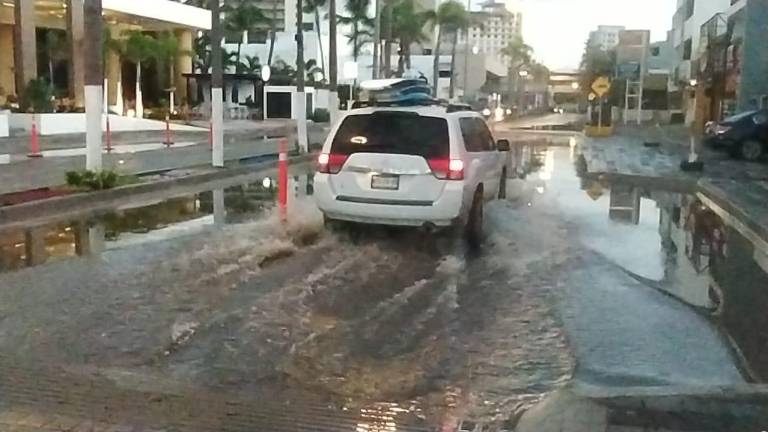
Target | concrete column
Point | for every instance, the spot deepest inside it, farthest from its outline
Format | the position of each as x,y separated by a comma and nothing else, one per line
183,64
114,76
75,33
25,41
7,80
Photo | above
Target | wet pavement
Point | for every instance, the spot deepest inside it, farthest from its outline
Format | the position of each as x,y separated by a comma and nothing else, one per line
613,285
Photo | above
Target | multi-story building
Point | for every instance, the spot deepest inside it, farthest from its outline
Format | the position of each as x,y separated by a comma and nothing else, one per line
492,28
606,37
730,68
686,35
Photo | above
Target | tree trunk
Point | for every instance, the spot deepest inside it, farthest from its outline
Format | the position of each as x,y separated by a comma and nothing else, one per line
50,72
453,65
408,56
272,33
333,63
401,60
301,99
172,86
376,39
388,39
436,62
94,81
139,102
239,48
320,42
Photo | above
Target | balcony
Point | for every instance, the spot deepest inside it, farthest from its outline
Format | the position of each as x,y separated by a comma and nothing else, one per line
712,31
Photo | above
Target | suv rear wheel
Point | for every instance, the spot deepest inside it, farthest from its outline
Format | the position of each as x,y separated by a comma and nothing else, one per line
503,185
751,150
474,229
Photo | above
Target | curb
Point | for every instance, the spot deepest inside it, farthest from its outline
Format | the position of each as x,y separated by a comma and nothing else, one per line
69,205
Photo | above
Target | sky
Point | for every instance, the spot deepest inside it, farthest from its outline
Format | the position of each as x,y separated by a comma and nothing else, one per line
558,29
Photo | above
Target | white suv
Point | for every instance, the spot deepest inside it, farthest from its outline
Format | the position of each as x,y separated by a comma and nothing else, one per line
415,166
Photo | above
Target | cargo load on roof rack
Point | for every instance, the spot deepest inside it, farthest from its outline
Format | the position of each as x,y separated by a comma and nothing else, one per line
396,91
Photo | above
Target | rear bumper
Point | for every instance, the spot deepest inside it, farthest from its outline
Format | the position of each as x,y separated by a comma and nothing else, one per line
443,212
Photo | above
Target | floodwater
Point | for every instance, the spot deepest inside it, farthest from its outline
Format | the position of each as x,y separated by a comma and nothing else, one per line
612,284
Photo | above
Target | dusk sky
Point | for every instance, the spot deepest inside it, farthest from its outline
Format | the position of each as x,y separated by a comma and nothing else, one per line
557,29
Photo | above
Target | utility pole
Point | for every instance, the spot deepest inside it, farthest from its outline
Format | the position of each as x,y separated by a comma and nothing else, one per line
217,93
94,80
333,64
300,100
376,40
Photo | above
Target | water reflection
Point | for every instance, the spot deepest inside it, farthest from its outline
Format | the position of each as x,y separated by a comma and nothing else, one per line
182,215
702,258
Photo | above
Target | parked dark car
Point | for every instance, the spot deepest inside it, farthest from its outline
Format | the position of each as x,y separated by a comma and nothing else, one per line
743,135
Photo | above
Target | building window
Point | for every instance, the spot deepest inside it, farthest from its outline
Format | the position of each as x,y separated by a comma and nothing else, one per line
687,49
308,26
257,37
655,51
233,38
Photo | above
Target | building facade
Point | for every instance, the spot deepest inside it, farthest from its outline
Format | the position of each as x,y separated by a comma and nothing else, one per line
492,28
24,25
731,63
606,37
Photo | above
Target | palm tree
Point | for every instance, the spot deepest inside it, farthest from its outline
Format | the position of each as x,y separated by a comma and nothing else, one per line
241,18
311,69
357,17
251,65
166,51
313,7
518,54
408,23
451,16
55,48
138,48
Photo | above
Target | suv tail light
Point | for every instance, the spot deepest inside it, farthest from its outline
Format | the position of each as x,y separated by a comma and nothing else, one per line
447,169
330,163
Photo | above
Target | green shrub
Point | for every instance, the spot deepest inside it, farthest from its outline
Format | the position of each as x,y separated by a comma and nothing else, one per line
74,178
37,96
93,180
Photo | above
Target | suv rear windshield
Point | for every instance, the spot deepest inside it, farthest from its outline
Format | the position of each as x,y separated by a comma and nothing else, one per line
396,132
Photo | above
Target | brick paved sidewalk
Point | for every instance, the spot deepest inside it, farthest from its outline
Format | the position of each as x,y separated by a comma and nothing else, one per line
40,398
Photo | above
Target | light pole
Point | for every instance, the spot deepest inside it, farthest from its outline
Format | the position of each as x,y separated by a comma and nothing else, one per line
94,81
217,93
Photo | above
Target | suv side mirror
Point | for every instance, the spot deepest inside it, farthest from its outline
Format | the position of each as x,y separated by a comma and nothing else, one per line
502,145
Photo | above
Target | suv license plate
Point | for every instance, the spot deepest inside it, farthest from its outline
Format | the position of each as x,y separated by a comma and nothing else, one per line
385,182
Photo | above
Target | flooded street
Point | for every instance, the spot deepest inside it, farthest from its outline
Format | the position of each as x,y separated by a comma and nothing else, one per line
613,285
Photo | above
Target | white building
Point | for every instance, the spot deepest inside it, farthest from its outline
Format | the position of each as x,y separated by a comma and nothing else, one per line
493,27
606,37
686,32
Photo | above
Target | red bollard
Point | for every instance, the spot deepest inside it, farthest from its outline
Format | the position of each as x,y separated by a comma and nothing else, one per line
282,178
34,148
108,137
168,139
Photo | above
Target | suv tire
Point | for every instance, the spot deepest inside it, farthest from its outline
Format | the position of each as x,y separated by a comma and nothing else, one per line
474,228
751,150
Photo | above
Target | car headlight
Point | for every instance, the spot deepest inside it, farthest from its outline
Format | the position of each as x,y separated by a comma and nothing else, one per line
720,129
486,112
